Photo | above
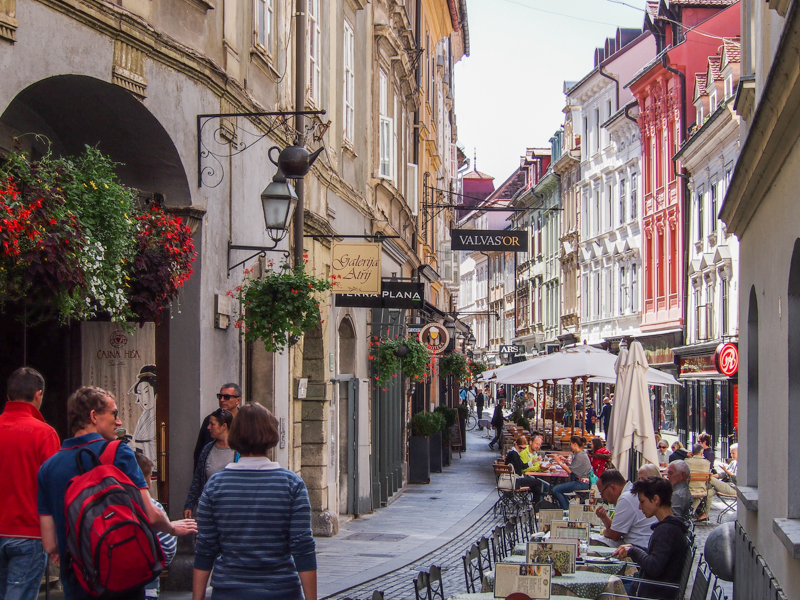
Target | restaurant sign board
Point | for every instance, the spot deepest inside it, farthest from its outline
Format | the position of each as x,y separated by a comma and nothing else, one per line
435,337
394,294
726,359
488,240
356,268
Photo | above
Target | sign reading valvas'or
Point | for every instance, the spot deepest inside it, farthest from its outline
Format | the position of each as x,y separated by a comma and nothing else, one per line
473,239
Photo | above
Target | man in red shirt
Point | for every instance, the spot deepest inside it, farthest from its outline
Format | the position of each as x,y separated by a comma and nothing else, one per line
26,442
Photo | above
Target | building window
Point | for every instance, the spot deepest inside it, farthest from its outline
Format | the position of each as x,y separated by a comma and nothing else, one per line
313,51
385,129
349,83
597,211
610,204
729,86
264,21
598,296
596,129
712,101
585,135
713,215
700,215
723,309
623,292
622,201
634,289
634,195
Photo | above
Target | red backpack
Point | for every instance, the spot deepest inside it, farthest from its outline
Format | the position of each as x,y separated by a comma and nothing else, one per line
110,544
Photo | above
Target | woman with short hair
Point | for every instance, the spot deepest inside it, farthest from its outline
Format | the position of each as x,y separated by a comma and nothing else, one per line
254,522
578,470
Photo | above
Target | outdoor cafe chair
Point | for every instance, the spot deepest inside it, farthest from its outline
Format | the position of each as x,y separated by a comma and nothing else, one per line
435,585
472,569
679,588
730,504
701,496
702,581
422,586
498,546
485,553
510,537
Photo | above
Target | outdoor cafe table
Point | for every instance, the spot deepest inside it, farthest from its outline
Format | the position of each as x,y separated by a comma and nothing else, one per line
490,596
601,551
581,584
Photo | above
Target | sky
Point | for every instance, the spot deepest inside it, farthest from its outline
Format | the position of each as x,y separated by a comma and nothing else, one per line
509,91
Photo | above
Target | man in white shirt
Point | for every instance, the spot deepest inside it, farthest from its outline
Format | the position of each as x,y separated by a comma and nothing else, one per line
629,524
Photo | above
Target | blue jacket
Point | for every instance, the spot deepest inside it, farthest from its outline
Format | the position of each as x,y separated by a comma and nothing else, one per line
199,479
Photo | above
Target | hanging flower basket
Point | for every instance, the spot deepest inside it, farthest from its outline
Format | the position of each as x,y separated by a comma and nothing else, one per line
282,304
476,367
455,364
406,355
76,244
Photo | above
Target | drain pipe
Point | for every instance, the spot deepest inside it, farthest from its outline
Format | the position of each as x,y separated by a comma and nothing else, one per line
616,82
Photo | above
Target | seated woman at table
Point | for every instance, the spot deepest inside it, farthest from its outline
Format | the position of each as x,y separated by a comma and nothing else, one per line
514,459
666,552
578,471
600,456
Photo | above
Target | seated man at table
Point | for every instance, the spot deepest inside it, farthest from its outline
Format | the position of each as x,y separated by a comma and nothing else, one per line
629,523
699,467
725,483
514,459
678,475
665,555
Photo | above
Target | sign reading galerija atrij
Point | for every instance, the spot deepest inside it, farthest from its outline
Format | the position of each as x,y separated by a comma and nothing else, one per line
356,268
488,240
394,294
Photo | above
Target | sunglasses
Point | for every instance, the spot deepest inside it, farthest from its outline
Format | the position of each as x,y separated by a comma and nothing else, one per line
226,396
113,413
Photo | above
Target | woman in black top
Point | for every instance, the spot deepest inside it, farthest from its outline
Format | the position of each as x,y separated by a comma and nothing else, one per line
515,460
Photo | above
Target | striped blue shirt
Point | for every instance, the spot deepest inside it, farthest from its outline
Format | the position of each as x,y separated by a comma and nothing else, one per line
254,529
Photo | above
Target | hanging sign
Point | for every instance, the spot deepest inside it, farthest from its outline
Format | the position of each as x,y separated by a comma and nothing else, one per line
726,359
435,336
488,240
394,294
511,349
356,268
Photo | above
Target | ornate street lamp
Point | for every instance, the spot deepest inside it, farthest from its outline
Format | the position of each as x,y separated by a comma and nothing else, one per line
278,201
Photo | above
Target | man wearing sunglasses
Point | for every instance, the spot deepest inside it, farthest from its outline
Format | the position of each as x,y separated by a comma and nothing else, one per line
229,397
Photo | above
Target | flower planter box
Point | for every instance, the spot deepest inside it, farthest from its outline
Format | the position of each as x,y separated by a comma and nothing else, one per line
436,457
419,459
447,453
463,425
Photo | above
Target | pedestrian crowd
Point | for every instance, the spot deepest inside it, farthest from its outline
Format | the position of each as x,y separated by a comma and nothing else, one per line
85,502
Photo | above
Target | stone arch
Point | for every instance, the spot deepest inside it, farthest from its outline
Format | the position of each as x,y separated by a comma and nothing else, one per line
76,110
347,347
751,445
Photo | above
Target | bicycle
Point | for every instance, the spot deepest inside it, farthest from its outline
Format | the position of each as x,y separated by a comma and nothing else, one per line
472,419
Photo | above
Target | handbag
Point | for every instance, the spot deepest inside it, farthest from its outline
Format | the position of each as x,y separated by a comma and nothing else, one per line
507,482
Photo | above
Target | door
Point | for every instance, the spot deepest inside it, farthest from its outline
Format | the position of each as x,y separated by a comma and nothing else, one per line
352,446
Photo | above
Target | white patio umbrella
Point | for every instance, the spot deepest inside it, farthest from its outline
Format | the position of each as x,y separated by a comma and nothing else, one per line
631,418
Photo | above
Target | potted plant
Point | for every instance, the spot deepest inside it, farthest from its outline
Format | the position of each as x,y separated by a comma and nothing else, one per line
455,364
279,306
450,417
423,425
400,355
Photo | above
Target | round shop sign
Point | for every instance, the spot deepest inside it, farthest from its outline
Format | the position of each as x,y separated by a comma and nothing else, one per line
726,359
435,337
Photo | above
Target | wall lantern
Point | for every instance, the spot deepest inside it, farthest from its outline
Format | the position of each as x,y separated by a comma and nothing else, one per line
279,201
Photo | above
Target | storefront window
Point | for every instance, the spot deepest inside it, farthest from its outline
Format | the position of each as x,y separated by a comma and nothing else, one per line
669,411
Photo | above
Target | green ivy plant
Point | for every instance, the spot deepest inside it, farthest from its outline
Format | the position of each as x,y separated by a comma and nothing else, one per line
425,424
455,364
282,304
401,354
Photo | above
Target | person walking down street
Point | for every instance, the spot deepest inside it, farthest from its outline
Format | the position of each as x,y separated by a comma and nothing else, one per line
214,457
254,521
605,415
479,402
93,420
229,397
579,470
591,417
169,543
665,555
497,421
26,442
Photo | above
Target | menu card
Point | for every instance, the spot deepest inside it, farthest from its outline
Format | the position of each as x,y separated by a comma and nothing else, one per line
533,580
584,512
571,529
548,515
561,554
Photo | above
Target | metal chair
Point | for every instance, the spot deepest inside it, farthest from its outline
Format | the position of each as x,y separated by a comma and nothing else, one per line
702,581
510,536
729,502
435,585
422,586
498,545
679,588
472,569
485,553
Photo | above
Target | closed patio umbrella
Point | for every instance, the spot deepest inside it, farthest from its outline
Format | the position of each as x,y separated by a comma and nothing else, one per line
631,419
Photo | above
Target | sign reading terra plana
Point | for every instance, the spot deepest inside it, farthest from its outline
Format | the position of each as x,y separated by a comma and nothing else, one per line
488,240
356,268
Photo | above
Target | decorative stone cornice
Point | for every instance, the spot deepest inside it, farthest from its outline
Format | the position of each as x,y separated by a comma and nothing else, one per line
8,20
128,69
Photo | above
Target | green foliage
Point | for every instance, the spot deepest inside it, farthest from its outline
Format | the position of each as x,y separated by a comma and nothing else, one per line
414,364
450,417
524,423
454,364
476,367
281,304
424,424
463,411
72,236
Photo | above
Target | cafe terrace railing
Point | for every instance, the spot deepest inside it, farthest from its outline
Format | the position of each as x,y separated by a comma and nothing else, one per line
752,577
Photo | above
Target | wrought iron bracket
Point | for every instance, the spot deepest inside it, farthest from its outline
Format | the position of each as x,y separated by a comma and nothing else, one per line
475,313
223,135
260,251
